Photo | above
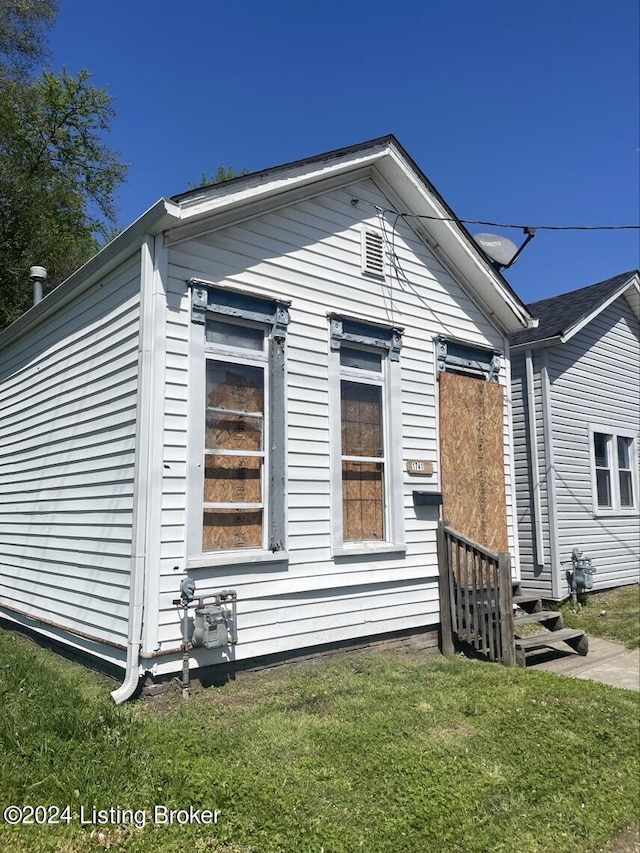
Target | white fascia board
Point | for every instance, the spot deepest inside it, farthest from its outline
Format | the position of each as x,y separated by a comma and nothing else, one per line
463,257
191,229
632,285
162,215
223,198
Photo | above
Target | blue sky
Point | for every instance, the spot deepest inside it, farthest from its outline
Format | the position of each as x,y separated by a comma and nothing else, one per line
517,112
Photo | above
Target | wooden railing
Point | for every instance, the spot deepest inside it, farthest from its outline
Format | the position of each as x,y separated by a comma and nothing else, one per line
476,597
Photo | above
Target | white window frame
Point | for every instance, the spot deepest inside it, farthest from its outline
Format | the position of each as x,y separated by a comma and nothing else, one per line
389,380
246,309
228,354
613,433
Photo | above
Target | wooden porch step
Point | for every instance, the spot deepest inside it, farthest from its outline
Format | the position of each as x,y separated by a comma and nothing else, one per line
479,605
530,603
575,637
538,616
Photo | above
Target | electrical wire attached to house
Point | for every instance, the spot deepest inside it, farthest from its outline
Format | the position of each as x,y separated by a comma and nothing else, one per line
510,225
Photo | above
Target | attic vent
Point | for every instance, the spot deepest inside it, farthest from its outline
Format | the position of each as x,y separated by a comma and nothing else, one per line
372,253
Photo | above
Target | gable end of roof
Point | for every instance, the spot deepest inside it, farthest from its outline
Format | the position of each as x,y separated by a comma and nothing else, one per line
560,317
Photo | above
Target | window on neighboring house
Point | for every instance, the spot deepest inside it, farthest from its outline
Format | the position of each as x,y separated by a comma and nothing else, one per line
625,471
613,471
366,467
237,440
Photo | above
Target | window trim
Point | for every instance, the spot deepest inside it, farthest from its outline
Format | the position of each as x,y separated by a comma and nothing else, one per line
209,299
221,354
613,433
387,340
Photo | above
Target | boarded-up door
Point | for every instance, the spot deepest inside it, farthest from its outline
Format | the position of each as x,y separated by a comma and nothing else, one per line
472,459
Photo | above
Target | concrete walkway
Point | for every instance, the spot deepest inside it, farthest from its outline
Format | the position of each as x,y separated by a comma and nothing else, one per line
607,662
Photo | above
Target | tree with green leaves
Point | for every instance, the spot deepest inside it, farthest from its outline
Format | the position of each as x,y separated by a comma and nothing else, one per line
23,29
58,178
223,173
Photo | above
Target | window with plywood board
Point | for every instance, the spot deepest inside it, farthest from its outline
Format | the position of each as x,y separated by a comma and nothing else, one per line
362,477
234,487
364,376
237,435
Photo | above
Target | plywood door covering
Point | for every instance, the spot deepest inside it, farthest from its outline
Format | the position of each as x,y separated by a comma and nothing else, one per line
472,459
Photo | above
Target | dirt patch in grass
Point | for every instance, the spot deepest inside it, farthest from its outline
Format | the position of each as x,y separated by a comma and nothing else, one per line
627,841
460,730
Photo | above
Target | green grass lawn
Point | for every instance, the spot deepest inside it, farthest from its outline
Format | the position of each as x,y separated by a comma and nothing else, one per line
377,752
614,614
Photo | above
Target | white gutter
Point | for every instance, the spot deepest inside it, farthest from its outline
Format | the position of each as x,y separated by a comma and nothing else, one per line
142,467
533,455
535,345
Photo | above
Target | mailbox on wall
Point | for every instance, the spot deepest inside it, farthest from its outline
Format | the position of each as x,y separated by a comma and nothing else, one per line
427,498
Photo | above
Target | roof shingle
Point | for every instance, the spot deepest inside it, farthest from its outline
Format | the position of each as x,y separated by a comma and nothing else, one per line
559,313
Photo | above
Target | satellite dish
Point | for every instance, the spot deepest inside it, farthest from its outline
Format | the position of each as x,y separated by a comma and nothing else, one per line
500,249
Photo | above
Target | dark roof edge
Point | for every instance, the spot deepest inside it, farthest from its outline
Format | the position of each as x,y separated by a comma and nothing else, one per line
335,154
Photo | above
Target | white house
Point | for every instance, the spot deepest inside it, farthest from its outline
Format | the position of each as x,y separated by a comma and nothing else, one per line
576,403
264,386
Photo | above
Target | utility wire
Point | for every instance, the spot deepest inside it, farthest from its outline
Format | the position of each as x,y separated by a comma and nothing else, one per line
510,225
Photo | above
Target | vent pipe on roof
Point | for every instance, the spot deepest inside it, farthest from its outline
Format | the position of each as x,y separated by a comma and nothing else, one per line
37,277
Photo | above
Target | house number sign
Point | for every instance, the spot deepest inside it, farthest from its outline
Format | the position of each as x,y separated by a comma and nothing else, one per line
419,466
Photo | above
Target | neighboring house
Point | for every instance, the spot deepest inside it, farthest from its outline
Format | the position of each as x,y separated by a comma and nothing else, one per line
576,404
246,388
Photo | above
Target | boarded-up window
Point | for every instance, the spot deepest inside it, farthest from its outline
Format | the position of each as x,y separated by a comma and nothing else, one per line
366,432
363,462
234,456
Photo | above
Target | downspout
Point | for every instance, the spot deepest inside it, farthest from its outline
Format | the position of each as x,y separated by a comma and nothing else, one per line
156,401
547,422
533,455
514,543
141,477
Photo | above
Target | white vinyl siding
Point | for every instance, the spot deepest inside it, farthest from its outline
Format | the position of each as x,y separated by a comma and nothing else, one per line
310,253
595,380
594,387
67,447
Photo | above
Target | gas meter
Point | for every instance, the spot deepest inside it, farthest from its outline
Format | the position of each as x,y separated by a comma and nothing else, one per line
583,570
211,626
